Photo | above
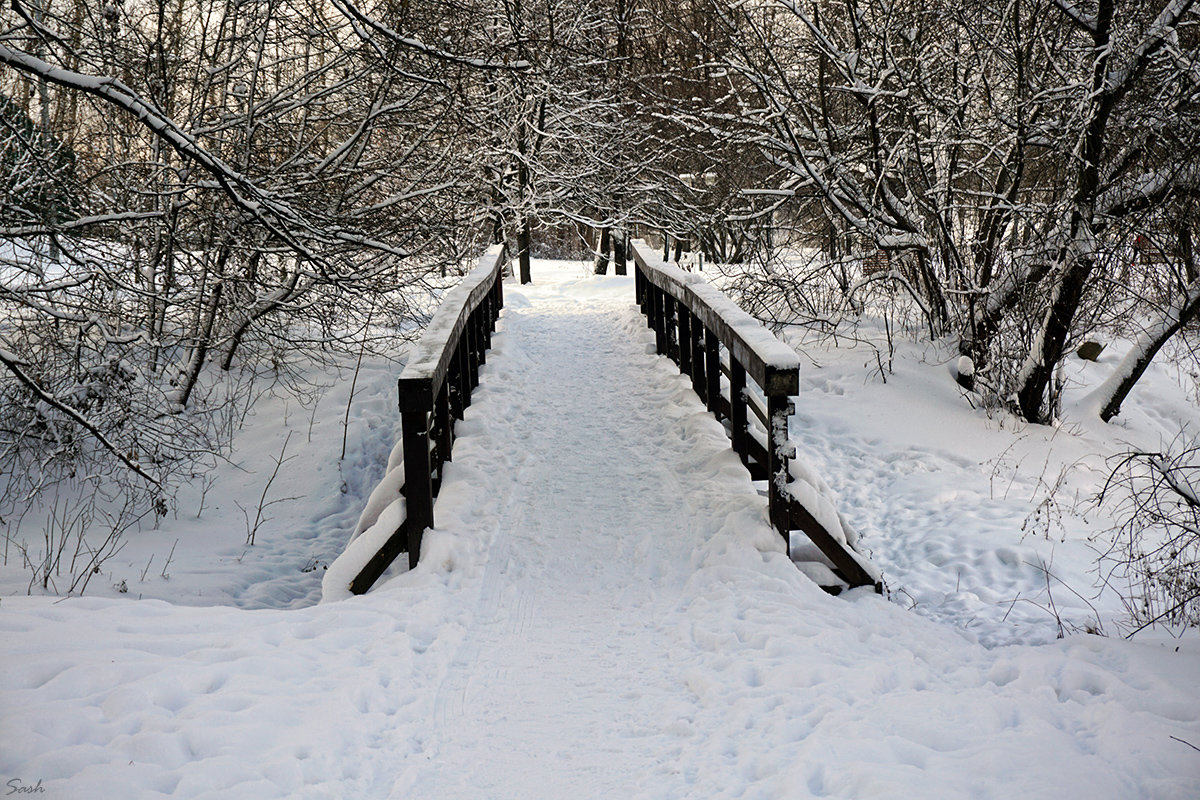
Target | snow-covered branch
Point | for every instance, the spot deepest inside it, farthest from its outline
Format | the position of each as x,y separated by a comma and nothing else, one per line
275,215
16,366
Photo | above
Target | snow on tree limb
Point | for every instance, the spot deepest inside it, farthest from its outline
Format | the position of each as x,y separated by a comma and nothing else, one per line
1107,397
274,214
1164,25
359,18
1076,15
23,231
14,365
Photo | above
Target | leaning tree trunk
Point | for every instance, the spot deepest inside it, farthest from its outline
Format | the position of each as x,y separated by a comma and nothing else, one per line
1047,349
1113,391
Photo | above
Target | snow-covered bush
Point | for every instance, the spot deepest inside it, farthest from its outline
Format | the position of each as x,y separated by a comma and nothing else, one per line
1156,546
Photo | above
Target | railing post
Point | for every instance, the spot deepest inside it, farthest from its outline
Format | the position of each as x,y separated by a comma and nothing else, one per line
685,338
445,425
696,350
651,304
418,486
481,335
660,319
488,320
778,454
712,372
499,290
737,410
470,338
464,371
672,315
454,387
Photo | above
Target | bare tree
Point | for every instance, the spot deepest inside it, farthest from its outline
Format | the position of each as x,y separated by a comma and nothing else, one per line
1001,156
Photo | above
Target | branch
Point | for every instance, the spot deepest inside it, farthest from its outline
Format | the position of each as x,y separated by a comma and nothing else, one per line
82,222
14,364
247,196
352,12
1077,17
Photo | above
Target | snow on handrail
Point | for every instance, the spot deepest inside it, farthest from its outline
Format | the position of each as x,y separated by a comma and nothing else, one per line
773,365
429,361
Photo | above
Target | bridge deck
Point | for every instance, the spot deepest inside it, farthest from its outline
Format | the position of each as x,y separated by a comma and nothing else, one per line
614,477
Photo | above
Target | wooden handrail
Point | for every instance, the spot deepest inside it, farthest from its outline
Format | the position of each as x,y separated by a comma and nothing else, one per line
434,390
692,322
772,364
429,362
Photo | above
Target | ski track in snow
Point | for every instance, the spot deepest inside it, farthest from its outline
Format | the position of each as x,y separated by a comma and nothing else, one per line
601,612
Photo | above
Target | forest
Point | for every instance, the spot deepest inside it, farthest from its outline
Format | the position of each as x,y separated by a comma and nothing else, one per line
199,194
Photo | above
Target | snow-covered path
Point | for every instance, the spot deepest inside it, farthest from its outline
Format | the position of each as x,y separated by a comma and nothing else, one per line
601,612
567,661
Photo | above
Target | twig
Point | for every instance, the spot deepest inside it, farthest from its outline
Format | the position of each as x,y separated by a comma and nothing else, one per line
1189,744
1168,612
263,505
15,368
170,555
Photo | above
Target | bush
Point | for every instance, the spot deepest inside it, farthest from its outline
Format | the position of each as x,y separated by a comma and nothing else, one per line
1155,546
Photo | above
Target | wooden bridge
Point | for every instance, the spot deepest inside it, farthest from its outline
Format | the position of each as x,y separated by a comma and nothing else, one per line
739,370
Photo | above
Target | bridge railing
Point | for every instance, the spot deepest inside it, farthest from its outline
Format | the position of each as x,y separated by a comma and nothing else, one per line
435,389
709,336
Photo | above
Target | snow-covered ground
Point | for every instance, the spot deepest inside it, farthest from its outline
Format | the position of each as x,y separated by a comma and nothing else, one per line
603,610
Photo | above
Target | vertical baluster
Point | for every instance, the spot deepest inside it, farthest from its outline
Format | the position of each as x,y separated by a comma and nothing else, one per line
445,422
485,328
696,350
672,327
499,290
464,371
418,486
712,372
660,319
737,410
454,387
778,454
685,339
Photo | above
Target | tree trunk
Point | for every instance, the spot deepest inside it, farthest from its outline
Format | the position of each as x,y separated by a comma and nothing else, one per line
1113,391
200,347
1177,314
1047,349
620,251
602,252
524,243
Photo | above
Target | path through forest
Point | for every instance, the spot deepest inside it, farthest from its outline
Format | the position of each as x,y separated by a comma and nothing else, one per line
602,611
565,685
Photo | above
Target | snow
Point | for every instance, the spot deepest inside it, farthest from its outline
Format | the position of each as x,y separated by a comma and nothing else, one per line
773,353
603,610
449,317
